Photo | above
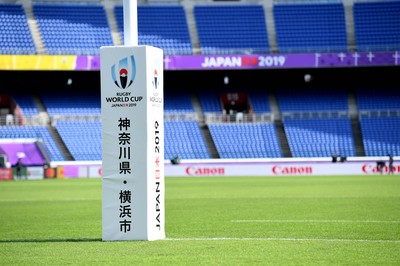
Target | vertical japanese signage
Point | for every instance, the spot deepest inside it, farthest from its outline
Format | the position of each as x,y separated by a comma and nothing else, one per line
133,143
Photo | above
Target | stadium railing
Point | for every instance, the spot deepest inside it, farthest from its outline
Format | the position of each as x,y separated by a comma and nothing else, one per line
235,118
378,113
316,114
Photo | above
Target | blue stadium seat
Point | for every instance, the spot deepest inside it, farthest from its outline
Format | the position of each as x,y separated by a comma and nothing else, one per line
70,103
231,29
246,140
177,102
15,37
302,100
378,99
319,137
26,104
210,102
36,132
377,25
73,29
83,139
310,27
184,138
381,135
260,102
161,26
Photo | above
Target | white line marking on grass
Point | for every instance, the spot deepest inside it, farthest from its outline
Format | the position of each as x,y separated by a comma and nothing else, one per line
283,239
314,221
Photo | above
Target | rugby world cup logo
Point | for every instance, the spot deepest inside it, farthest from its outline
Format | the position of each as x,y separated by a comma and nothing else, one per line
155,79
124,72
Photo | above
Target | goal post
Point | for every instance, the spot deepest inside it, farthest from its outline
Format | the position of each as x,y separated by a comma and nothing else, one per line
132,137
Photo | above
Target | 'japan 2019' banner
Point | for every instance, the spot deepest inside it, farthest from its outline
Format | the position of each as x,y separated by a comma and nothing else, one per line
133,143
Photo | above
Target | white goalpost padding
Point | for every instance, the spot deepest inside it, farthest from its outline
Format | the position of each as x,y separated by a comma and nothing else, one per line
132,137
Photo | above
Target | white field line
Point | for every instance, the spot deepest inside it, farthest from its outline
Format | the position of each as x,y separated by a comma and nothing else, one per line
314,221
283,239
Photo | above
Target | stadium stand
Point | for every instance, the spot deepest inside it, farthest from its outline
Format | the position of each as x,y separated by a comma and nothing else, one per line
161,26
177,102
310,27
71,103
73,28
26,104
15,37
246,140
380,135
303,100
184,139
260,102
36,132
210,102
378,99
377,25
319,137
231,29
82,138
380,121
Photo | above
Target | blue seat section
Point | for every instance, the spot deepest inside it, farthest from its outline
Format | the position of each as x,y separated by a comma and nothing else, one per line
15,37
319,137
377,25
37,132
161,26
231,29
82,103
73,29
26,104
246,140
177,102
378,99
310,27
260,102
82,138
210,102
312,100
184,138
381,135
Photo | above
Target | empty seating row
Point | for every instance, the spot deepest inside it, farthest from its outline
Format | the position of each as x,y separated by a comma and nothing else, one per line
378,99
381,135
377,25
15,37
66,28
310,27
184,139
302,100
70,103
83,139
161,26
35,132
241,28
26,104
319,137
246,140
299,27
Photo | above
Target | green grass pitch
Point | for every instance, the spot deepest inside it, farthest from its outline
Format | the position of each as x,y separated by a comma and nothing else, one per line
321,220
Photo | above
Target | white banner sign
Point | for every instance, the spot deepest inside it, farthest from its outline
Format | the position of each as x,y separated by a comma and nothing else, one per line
276,169
133,143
